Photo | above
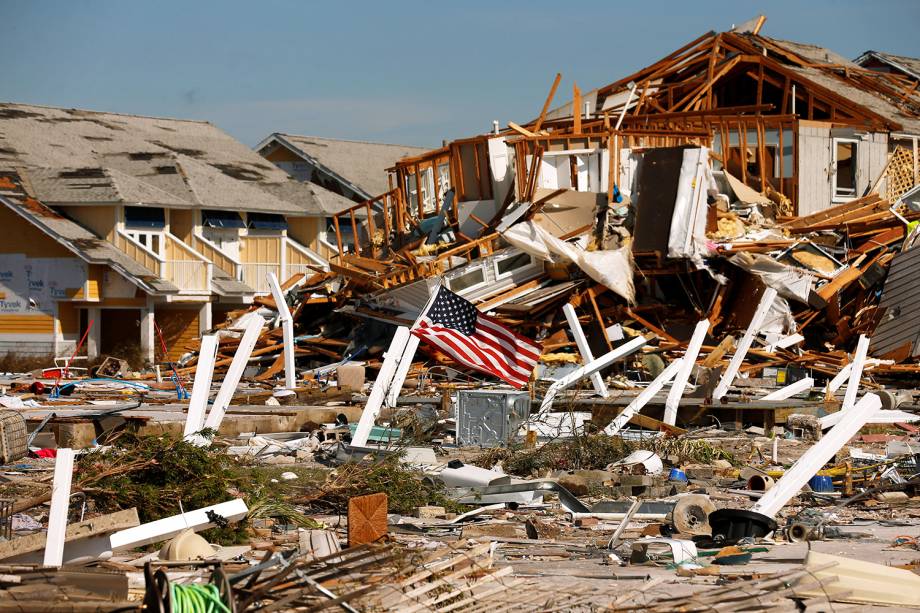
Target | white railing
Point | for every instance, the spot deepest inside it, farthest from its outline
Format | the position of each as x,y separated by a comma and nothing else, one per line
222,260
254,276
188,275
302,253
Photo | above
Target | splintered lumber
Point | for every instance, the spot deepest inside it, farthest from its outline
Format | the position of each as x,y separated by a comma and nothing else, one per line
367,519
87,528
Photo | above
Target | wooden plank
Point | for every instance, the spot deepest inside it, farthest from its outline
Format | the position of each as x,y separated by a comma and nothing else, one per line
576,108
549,100
521,130
104,524
367,519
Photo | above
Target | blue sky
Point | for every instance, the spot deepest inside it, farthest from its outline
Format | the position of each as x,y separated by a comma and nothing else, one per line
404,71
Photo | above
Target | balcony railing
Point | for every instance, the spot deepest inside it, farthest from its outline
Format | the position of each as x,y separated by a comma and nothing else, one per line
184,267
223,261
254,275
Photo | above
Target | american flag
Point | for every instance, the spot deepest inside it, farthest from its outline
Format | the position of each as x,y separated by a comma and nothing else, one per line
457,328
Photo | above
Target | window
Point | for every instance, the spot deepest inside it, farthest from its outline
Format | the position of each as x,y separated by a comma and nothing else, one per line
145,217
266,221
508,265
844,168
221,219
428,190
467,280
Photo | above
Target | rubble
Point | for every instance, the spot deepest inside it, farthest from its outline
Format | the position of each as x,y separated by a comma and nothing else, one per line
615,359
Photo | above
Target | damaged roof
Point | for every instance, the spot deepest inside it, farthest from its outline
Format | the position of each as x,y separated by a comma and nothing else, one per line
359,163
78,239
908,65
78,156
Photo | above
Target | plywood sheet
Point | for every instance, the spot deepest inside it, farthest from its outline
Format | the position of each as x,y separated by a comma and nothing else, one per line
367,519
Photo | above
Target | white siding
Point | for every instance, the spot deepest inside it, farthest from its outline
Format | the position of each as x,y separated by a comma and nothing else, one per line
872,155
814,161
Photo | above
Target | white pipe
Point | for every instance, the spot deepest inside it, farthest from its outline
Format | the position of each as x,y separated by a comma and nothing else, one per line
817,456
396,353
859,360
201,388
287,328
60,505
581,342
643,398
234,373
766,301
587,370
683,375
168,527
791,390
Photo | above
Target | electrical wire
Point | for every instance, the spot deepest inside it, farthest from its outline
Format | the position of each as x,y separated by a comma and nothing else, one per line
196,598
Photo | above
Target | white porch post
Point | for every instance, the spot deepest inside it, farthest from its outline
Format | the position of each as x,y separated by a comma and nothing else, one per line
148,334
205,319
94,338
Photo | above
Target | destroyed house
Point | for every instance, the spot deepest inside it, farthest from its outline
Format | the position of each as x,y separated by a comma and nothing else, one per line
735,145
150,228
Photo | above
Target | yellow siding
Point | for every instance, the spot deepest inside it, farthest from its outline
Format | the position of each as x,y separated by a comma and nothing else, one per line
69,318
181,222
304,230
180,331
38,323
100,219
92,291
19,236
260,250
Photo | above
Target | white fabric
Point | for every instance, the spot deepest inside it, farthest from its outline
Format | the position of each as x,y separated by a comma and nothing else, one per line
611,268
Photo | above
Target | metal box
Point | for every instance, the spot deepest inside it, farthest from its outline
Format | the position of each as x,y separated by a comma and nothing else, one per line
490,418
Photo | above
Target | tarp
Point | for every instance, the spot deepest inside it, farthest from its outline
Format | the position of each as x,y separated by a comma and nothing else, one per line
612,268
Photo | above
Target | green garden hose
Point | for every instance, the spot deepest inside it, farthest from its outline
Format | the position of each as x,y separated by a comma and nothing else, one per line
196,598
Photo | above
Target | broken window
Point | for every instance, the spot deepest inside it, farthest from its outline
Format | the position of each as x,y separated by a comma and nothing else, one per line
506,266
221,219
467,280
412,192
844,168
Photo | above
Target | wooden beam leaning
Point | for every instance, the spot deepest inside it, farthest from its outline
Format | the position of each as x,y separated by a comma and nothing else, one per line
549,100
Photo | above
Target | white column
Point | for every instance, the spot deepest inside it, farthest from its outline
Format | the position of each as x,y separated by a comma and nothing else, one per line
402,370
60,504
817,456
94,338
201,388
643,398
205,318
287,330
587,370
148,333
859,360
766,301
395,354
683,375
234,373
581,342
790,390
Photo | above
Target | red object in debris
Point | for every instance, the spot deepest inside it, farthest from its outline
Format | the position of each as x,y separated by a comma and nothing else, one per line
46,453
37,387
907,427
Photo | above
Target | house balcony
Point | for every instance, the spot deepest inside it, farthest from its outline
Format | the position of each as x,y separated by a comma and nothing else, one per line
261,254
180,264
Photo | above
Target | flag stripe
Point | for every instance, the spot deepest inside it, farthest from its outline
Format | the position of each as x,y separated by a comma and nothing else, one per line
457,328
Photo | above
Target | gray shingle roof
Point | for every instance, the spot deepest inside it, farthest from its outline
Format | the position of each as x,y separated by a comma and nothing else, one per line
360,163
194,162
81,241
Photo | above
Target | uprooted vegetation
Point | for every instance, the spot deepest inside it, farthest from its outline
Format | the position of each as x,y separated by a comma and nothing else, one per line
404,489
594,451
